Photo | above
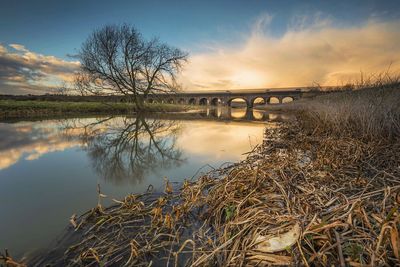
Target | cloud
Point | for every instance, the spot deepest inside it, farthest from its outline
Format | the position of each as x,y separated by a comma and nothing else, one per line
19,47
261,23
23,71
311,50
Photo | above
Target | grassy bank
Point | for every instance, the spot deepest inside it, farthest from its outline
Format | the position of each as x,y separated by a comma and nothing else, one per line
321,191
27,108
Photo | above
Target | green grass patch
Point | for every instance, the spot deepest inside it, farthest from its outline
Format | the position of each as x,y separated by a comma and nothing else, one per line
14,108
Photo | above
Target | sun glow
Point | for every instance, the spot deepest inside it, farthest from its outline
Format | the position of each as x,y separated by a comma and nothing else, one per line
248,78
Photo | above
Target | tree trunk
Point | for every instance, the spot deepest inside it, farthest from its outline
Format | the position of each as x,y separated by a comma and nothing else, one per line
139,101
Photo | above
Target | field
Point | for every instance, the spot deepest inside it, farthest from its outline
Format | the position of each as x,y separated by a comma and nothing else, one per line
35,108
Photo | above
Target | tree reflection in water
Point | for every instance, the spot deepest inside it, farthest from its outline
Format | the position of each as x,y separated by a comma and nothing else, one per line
126,149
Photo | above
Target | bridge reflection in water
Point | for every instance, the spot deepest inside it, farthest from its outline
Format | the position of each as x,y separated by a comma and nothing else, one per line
240,114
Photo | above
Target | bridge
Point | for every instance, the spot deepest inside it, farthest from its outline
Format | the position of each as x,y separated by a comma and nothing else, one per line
225,98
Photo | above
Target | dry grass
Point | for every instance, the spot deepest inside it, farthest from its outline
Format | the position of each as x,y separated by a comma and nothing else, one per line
348,213
369,109
367,114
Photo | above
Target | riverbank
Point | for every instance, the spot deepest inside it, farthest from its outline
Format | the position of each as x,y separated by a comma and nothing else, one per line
37,108
322,190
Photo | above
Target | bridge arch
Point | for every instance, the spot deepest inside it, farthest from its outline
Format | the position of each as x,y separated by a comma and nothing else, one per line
181,101
150,101
215,101
171,101
273,100
203,101
258,101
238,100
287,99
192,101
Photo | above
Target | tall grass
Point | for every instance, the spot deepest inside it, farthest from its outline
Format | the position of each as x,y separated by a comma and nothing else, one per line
369,111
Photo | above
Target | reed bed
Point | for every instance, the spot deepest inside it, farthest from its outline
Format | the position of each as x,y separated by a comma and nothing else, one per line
368,109
366,114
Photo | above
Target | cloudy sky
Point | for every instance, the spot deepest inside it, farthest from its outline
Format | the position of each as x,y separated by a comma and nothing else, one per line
232,44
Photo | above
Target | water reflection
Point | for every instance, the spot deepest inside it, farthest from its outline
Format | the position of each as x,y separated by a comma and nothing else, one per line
30,141
110,142
258,115
127,148
115,146
49,169
216,112
240,113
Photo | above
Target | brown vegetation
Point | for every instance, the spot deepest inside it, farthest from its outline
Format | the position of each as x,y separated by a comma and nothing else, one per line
367,114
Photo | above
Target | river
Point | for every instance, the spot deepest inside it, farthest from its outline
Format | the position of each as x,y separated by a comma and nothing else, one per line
50,169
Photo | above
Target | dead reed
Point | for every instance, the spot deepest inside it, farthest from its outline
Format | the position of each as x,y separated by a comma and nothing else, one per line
298,206
8,261
368,109
367,114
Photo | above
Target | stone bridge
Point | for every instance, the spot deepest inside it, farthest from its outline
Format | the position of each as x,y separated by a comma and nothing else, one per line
225,98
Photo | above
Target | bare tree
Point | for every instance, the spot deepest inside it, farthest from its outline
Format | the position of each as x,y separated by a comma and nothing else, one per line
116,59
62,89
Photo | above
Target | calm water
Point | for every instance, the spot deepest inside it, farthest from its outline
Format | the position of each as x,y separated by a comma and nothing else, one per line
50,169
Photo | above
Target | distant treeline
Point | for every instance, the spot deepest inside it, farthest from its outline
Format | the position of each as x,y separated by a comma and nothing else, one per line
66,98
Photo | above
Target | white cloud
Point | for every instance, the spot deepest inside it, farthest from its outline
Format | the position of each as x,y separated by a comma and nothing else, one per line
18,47
262,22
24,71
306,53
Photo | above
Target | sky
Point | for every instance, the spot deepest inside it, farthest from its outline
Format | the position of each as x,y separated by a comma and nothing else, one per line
232,44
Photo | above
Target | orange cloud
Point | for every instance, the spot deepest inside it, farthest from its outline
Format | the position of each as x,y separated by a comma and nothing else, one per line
317,52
